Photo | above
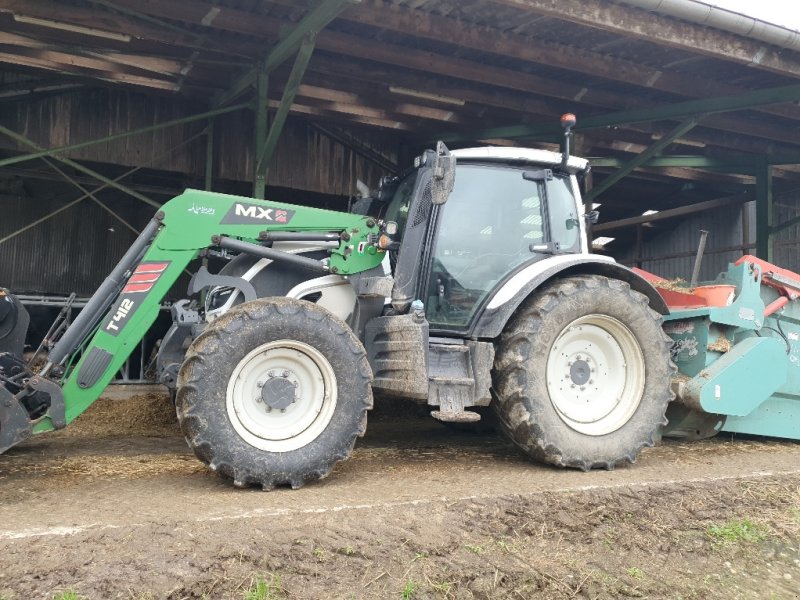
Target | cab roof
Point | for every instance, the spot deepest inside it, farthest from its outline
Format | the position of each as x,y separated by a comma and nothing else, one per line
529,155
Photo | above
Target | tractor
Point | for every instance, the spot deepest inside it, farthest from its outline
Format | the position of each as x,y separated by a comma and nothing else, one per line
465,282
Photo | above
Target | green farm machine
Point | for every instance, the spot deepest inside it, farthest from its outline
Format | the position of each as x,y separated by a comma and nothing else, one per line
466,282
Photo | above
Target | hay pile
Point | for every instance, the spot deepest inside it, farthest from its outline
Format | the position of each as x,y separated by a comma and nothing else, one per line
145,415
722,344
138,465
674,285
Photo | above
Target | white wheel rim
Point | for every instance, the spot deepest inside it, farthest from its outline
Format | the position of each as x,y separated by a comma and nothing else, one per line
595,374
304,382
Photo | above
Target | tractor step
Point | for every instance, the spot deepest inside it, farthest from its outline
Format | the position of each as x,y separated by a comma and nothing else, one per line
463,416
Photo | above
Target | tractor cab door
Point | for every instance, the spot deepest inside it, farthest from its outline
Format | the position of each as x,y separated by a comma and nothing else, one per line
497,220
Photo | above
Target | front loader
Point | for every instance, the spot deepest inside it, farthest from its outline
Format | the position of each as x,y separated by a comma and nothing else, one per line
468,283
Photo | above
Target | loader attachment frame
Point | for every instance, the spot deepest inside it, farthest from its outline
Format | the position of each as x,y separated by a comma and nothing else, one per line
122,310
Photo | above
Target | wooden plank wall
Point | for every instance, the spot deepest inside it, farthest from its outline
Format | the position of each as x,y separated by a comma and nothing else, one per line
305,159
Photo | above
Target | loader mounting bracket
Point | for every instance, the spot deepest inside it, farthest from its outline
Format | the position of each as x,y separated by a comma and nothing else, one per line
15,425
57,410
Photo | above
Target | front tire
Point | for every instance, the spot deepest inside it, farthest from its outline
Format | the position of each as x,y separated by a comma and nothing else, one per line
274,392
582,374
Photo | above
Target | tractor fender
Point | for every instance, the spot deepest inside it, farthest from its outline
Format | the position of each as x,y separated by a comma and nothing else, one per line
511,294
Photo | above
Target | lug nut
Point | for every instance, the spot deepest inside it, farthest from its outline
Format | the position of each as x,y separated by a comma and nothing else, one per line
260,384
286,374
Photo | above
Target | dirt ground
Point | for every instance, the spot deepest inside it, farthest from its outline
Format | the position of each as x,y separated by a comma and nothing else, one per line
116,506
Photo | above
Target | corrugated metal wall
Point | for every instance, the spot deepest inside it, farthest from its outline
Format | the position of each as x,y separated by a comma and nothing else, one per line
72,251
786,246
671,253
726,241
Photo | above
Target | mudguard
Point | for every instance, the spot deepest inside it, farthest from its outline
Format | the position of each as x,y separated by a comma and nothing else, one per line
508,296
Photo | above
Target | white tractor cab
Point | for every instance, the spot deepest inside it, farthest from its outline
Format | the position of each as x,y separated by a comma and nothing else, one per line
489,296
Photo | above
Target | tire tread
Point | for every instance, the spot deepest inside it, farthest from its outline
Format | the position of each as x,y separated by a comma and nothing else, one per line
512,373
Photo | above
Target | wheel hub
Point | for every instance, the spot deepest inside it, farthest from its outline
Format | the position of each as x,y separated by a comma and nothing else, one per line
278,393
580,372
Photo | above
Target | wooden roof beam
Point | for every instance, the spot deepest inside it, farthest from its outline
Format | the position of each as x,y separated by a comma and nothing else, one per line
678,110
563,56
651,27
409,108
316,20
67,68
53,10
435,27
412,58
161,66
674,212
353,115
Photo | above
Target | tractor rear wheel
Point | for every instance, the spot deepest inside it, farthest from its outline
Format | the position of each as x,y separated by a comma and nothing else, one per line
274,392
582,374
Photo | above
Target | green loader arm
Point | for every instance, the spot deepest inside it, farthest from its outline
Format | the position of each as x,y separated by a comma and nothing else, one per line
183,227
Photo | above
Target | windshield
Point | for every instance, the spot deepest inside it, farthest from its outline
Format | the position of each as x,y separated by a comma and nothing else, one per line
487,229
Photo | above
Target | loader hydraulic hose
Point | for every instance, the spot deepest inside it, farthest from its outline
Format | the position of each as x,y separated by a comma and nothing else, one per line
101,300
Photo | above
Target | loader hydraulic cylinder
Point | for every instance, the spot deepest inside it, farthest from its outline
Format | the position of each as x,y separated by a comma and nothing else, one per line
103,297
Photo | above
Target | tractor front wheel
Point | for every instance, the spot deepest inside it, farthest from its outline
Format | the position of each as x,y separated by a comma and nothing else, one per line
274,392
582,374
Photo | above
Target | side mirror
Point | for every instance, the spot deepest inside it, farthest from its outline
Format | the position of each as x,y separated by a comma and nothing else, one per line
387,188
592,217
444,174
538,175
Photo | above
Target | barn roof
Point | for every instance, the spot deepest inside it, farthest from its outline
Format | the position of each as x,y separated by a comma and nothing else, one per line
695,99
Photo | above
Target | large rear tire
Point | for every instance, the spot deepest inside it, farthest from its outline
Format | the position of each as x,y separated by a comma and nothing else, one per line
582,374
274,392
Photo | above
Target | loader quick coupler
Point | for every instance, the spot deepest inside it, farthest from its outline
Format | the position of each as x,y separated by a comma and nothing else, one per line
15,425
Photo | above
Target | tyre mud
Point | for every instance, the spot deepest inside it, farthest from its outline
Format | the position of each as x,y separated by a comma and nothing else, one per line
526,412
213,358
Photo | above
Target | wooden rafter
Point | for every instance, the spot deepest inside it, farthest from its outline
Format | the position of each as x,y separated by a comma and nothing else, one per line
652,27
